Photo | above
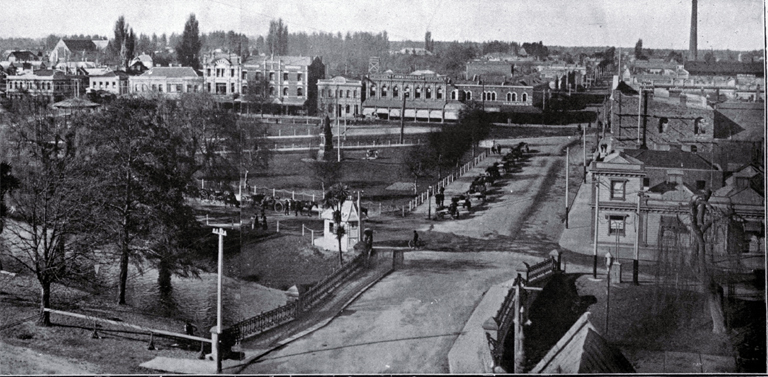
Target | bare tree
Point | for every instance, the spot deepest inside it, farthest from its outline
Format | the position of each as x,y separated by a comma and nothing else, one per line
53,231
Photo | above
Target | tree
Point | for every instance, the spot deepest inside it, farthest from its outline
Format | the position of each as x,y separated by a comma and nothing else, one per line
53,228
336,198
258,92
327,137
702,216
429,44
188,49
639,50
709,57
145,159
8,183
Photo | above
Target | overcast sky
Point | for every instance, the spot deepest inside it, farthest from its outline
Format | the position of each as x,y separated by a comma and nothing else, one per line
723,24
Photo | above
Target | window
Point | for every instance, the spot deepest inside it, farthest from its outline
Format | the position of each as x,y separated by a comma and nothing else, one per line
299,77
259,76
285,76
662,123
701,185
347,109
439,92
348,93
271,90
454,94
179,87
209,88
373,90
208,72
395,92
271,76
300,92
221,88
322,93
154,87
285,91
525,97
417,92
428,92
244,75
383,91
616,225
330,108
509,97
354,93
232,72
618,190
697,126
694,148
468,95
646,182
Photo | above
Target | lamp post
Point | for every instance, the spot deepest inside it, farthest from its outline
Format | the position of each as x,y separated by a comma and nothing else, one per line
635,262
216,335
608,264
429,203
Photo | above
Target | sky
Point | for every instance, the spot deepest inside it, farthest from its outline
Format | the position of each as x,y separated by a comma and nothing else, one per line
722,24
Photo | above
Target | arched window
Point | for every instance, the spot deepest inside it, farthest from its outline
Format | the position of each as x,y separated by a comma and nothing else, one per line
395,92
662,123
348,93
525,97
285,91
455,94
417,92
694,148
407,91
697,128
468,95
428,93
347,109
271,90
49,86
439,92
271,76
514,97
383,91
300,92
493,96
509,96
354,93
373,90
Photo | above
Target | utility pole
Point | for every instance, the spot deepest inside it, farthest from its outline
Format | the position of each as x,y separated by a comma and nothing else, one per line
402,118
567,169
338,127
636,262
597,223
639,115
584,151
215,339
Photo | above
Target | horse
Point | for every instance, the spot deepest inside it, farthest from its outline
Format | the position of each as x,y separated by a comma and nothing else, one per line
304,207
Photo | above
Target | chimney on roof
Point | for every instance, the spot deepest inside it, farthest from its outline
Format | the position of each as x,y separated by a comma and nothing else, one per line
693,43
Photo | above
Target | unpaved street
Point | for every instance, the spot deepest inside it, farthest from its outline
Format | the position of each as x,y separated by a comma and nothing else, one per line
404,324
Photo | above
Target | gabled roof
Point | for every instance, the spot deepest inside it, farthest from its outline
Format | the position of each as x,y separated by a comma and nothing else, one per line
671,159
23,55
80,44
583,350
174,72
739,120
348,212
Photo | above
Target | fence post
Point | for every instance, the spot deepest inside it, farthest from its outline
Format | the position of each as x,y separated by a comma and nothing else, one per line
379,209
279,132
293,195
403,211
302,230
278,226
273,193
312,241
313,197
206,219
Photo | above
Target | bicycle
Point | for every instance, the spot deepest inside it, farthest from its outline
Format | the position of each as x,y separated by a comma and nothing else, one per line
419,244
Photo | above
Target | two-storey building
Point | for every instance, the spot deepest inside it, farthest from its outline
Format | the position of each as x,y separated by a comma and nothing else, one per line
289,82
224,75
422,94
115,82
502,93
340,97
51,85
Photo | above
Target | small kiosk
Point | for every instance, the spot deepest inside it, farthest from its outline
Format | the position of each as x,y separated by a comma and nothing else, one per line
350,221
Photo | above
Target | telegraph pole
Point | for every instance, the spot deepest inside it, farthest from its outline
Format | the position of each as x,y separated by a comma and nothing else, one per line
567,168
215,341
597,223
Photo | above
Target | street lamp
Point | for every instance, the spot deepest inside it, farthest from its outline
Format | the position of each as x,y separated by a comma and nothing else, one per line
429,203
608,264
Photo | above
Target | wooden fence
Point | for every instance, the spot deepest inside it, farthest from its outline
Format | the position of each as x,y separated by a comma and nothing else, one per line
422,197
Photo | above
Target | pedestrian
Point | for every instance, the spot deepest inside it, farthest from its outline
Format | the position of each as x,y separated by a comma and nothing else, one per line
254,222
296,207
415,239
467,204
264,222
287,206
189,328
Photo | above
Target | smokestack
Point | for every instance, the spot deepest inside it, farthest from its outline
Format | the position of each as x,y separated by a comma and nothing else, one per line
693,43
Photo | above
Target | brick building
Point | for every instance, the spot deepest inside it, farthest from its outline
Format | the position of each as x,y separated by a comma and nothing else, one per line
423,94
166,81
342,94
290,82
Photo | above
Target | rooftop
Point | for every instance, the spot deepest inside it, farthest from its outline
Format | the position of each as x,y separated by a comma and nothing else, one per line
671,159
174,72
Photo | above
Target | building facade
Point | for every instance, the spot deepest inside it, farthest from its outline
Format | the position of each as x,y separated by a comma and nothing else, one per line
115,82
424,96
166,81
224,75
340,97
502,94
51,85
289,82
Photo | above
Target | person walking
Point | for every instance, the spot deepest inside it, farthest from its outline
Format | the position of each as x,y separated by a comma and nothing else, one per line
415,240
287,206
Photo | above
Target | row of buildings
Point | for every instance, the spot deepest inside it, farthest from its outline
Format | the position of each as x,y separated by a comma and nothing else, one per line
292,84
661,152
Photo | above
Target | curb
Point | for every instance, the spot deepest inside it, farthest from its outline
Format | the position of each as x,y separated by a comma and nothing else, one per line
312,329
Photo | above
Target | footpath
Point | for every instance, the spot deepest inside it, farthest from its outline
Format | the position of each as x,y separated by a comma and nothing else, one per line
264,343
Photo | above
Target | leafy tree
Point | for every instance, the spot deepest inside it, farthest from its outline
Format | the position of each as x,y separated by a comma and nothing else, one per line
709,57
639,50
258,92
328,137
277,38
335,198
188,49
146,159
52,232
123,45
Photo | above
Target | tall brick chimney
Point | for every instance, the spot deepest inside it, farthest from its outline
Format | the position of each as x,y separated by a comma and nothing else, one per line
693,43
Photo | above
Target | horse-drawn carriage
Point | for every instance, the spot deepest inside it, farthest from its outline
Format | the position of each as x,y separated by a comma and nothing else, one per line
371,154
